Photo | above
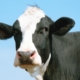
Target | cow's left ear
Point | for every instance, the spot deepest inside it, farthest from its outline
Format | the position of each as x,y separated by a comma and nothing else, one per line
61,26
6,31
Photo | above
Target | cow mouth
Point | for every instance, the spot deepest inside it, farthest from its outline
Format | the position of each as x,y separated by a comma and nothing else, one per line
28,65
23,64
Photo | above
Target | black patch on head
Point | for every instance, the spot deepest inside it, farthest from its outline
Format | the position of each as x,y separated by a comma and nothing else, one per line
41,38
17,34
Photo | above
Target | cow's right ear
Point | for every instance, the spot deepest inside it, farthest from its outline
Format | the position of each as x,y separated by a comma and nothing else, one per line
6,31
61,26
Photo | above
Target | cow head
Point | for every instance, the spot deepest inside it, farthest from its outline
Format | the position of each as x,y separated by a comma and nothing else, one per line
31,34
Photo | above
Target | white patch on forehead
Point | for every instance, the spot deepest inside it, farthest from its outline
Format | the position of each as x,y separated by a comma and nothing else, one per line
28,21
30,18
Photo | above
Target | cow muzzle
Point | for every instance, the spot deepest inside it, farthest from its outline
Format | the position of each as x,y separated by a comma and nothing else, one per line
26,57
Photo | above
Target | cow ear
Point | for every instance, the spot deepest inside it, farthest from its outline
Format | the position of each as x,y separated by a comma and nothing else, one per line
6,31
61,26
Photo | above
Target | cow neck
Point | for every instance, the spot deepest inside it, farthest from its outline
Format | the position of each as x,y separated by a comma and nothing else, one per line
38,72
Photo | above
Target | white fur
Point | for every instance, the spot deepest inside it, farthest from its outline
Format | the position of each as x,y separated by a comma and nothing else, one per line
28,21
30,18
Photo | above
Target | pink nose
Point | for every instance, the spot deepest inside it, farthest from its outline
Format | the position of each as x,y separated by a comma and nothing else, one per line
27,54
26,57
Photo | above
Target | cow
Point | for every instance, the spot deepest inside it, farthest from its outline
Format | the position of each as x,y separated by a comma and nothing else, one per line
45,48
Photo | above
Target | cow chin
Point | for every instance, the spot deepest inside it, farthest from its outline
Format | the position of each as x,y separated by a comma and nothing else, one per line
25,66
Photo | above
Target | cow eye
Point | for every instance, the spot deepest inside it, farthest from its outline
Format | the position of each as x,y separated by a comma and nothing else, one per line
45,29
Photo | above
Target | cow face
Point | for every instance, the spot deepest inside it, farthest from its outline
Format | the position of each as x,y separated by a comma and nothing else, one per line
31,34
31,38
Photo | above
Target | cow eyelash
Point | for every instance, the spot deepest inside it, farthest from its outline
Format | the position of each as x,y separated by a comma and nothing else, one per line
45,29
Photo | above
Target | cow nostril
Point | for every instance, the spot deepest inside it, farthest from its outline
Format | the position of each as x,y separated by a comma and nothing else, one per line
33,54
19,55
